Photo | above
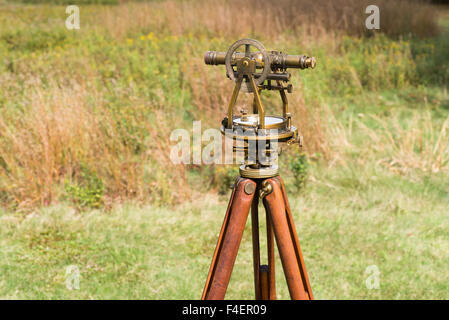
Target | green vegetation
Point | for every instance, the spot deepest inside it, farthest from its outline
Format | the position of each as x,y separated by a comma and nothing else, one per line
347,221
85,174
299,168
89,193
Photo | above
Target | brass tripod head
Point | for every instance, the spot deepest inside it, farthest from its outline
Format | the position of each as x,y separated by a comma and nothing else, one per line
252,72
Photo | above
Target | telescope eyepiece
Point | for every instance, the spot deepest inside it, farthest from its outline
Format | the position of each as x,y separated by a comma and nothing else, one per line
210,57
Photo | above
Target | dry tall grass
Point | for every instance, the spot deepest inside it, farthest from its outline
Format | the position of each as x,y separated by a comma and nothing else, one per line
64,129
304,19
65,124
421,145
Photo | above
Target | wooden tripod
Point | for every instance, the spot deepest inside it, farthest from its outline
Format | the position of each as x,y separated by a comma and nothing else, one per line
245,195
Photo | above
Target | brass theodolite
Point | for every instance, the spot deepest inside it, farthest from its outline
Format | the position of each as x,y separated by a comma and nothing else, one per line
252,72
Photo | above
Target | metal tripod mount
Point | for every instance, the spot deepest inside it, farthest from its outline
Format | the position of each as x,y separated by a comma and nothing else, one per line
259,178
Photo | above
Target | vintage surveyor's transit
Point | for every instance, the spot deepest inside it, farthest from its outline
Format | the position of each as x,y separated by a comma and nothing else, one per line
252,72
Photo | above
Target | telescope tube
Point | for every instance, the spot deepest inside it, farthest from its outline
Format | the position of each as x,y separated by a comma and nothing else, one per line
278,60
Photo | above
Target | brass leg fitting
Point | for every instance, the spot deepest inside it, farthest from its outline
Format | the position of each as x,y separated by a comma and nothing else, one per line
266,189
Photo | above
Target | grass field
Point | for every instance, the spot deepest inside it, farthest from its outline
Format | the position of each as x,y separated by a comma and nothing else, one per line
85,176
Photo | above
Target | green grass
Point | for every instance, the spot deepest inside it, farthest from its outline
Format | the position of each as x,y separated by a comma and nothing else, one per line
347,220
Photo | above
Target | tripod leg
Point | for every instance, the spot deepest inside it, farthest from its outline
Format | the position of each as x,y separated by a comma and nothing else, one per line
264,283
220,238
285,242
264,276
256,244
302,266
270,249
229,240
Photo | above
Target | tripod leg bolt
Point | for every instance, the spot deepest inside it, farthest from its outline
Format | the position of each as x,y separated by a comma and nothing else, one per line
249,188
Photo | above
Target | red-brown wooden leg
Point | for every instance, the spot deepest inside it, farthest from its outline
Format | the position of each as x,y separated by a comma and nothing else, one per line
270,250
256,244
271,270
229,240
264,283
302,266
285,242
